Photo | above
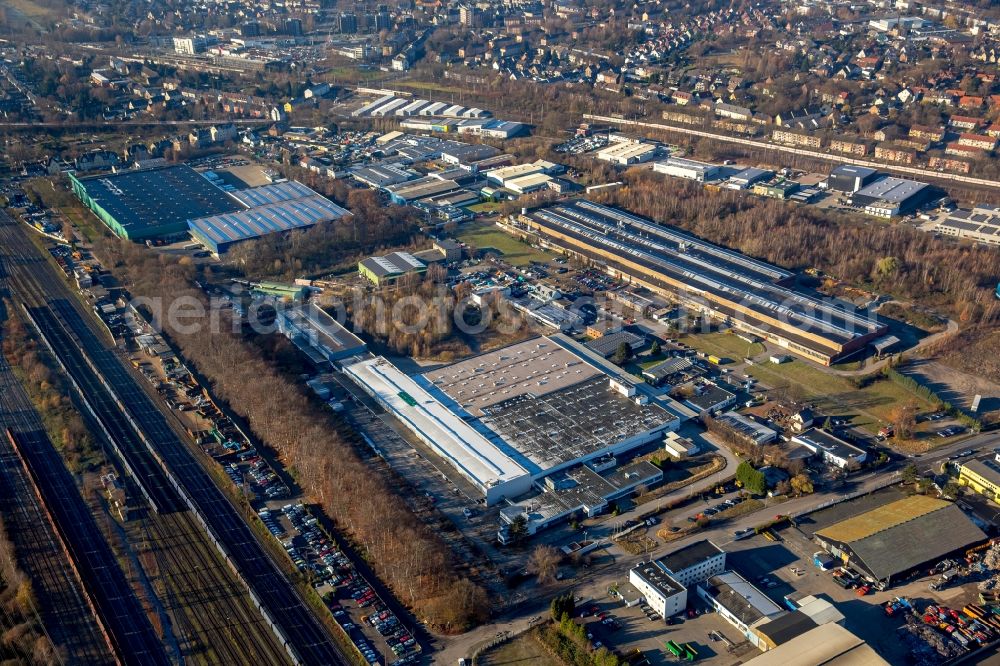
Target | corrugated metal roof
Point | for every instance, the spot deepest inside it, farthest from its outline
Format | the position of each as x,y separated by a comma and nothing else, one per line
270,218
923,539
273,193
882,518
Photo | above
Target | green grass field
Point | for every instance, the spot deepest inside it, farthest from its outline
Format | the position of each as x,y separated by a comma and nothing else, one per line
31,10
832,394
486,236
429,85
726,345
485,207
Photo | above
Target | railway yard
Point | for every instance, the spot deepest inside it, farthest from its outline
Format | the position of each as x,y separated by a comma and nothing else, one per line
193,539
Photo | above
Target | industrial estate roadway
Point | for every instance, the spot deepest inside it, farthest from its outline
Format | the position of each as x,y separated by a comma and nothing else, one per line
594,584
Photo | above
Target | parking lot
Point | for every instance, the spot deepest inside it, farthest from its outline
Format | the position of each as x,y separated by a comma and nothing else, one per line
623,629
374,629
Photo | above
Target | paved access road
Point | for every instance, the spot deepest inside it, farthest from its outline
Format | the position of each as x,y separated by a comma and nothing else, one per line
594,584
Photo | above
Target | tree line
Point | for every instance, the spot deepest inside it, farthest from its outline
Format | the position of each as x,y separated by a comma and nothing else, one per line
49,392
23,640
320,449
959,279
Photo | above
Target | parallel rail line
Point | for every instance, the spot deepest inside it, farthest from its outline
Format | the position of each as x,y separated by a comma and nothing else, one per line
300,632
123,621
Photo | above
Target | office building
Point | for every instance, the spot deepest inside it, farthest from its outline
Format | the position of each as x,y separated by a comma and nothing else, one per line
663,594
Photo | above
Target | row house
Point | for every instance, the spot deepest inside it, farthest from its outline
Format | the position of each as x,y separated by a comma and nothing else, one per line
683,118
925,133
797,139
895,154
845,147
958,150
965,122
919,145
980,141
949,164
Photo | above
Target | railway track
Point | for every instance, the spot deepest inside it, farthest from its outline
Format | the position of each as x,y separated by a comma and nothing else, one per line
216,626
122,618
303,636
62,605
208,605
104,410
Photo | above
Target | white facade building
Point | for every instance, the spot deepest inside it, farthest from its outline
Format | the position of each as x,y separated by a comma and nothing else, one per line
663,594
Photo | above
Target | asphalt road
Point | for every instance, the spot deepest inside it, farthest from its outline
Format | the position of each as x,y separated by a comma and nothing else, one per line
594,583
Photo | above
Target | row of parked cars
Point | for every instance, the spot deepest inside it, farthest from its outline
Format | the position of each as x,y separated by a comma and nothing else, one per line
400,641
266,479
317,555
718,508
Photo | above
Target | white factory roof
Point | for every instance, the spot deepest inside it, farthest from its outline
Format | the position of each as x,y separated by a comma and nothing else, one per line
503,174
412,108
526,182
892,189
389,107
741,598
433,109
454,439
625,150
683,163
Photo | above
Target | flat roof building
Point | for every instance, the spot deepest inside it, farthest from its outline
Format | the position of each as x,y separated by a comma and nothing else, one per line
694,563
541,407
579,490
381,175
627,153
481,461
981,224
607,345
671,371
466,155
321,337
901,194
422,188
850,178
663,594
689,169
747,294
708,397
528,183
503,174
738,602
221,232
834,450
152,203
749,177
747,428
983,476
